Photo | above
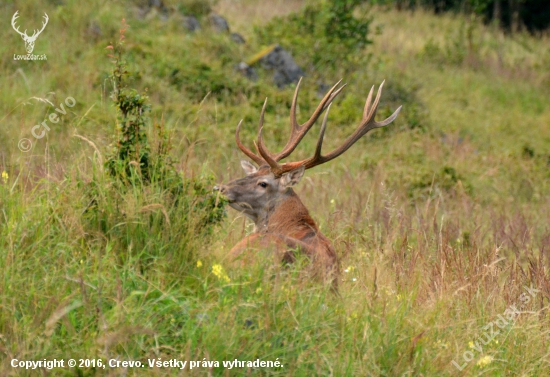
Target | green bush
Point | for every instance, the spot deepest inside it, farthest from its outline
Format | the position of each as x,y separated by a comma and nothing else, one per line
141,176
196,8
513,14
446,180
326,35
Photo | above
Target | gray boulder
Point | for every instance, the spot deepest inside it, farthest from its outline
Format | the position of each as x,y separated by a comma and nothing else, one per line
191,23
152,8
237,38
286,69
219,23
247,71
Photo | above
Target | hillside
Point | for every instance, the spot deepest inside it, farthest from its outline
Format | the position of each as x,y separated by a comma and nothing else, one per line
440,220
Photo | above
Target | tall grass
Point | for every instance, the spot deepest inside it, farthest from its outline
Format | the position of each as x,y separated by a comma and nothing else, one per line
440,222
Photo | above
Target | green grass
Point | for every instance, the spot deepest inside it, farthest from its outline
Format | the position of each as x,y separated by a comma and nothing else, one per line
440,221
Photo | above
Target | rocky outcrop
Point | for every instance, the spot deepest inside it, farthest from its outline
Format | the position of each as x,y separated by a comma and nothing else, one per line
219,23
191,23
282,62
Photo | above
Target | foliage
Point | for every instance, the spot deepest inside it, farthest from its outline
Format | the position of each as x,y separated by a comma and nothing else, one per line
532,14
134,164
342,27
131,157
197,8
447,180
460,47
327,34
97,267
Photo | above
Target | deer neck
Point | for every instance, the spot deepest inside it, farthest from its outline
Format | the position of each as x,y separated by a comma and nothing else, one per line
288,216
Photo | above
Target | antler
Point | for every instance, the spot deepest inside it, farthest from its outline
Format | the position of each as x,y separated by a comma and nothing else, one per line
298,132
16,28
367,123
36,33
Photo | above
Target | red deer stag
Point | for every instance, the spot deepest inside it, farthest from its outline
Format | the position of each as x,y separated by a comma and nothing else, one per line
265,194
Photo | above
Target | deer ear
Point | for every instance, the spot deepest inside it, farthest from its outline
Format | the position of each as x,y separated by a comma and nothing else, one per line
293,177
248,167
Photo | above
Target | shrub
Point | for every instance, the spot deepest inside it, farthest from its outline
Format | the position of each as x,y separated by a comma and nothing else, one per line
196,8
325,34
143,193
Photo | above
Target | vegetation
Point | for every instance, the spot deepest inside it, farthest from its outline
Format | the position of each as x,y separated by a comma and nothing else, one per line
329,24
440,221
511,14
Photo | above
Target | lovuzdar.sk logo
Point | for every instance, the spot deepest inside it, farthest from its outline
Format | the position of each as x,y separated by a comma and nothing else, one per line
29,40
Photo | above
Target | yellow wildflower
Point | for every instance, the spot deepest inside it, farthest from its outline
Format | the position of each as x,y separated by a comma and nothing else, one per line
471,344
199,264
5,177
217,270
485,360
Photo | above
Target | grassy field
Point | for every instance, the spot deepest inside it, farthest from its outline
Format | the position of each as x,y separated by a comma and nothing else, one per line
441,221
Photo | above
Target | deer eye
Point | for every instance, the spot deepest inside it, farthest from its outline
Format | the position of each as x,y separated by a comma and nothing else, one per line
262,184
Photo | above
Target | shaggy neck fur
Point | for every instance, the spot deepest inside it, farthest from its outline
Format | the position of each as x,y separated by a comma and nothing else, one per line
287,216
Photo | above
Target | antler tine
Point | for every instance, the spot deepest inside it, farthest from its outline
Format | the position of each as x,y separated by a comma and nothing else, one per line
46,19
262,149
310,162
36,33
333,96
368,116
293,122
321,135
299,131
367,104
374,108
14,26
367,124
257,159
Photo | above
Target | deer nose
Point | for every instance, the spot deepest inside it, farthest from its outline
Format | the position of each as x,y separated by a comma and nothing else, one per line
218,188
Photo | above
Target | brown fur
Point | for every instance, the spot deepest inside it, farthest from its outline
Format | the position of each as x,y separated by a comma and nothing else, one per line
289,227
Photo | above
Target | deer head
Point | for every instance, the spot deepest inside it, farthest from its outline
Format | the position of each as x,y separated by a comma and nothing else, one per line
260,191
263,188
29,40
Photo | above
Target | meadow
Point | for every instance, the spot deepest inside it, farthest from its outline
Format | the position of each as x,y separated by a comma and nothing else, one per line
440,220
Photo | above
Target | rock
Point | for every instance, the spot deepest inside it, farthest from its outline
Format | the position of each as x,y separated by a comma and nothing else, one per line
250,324
191,23
247,71
286,69
153,8
219,23
156,4
237,38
